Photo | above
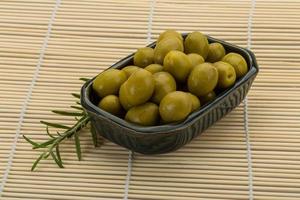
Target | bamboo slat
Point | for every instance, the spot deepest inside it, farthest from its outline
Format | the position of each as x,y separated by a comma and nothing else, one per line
8,53
272,170
88,36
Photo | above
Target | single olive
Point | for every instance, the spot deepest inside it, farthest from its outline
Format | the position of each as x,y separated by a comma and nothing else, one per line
169,33
207,98
143,57
153,68
175,106
165,46
238,63
111,104
123,97
164,84
216,52
195,102
146,114
130,69
137,90
195,59
109,82
203,79
196,42
226,73
178,64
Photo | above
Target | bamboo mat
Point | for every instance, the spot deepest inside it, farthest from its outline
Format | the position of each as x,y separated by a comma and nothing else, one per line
46,45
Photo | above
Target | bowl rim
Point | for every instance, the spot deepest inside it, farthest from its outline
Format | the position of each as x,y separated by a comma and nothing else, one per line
89,106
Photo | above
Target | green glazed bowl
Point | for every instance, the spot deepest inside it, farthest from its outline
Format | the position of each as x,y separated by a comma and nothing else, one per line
166,138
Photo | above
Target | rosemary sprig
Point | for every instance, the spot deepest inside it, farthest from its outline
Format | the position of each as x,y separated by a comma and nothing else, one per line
51,146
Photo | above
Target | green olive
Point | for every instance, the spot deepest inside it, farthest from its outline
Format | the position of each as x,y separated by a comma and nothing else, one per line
165,46
178,64
195,102
238,63
169,33
123,97
130,69
203,79
195,59
146,114
109,82
111,104
137,90
216,52
196,42
143,57
208,97
164,84
175,106
153,68
226,73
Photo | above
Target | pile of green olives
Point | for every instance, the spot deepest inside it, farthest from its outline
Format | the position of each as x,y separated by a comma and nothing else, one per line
167,83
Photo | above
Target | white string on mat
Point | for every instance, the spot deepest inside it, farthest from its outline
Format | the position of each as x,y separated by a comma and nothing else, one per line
129,169
131,153
28,96
150,20
246,120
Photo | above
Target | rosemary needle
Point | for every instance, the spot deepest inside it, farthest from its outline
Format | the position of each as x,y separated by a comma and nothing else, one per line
51,146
